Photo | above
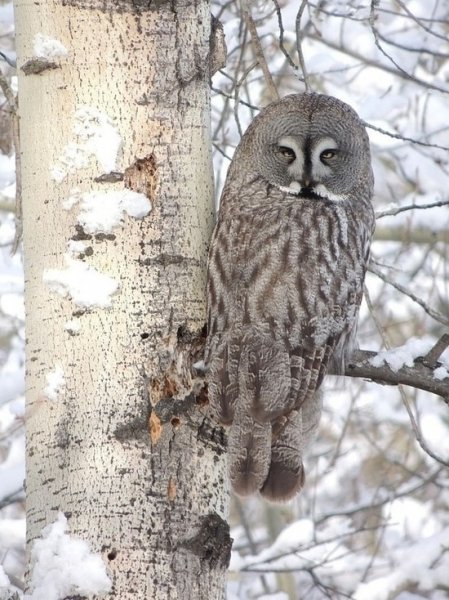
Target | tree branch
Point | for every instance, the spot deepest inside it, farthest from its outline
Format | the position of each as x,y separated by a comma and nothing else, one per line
258,52
418,376
418,235
395,211
11,99
299,45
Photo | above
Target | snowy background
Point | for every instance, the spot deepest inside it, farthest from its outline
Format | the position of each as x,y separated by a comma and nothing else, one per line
373,521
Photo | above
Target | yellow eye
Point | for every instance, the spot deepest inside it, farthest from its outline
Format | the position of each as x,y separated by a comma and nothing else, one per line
327,154
287,152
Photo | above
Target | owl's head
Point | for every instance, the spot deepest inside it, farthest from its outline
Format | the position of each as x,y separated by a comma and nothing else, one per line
309,145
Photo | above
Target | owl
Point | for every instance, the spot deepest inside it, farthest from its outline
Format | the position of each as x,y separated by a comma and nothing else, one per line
286,268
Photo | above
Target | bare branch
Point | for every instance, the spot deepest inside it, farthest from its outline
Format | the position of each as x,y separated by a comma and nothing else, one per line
258,52
223,93
419,235
284,50
238,85
431,358
299,46
372,20
373,63
420,22
397,286
398,136
372,504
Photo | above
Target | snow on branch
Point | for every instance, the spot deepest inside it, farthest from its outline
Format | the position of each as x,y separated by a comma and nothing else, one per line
407,365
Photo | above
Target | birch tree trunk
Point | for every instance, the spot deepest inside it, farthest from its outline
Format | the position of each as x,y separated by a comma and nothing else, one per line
114,111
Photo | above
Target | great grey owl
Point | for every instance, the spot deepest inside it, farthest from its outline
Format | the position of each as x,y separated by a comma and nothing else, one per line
285,281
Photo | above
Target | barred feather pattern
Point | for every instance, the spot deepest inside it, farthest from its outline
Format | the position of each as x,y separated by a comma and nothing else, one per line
285,281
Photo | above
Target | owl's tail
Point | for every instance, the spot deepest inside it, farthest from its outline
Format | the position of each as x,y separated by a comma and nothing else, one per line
266,458
249,451
285,476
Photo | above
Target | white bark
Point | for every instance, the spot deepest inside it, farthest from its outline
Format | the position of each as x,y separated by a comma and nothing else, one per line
122,444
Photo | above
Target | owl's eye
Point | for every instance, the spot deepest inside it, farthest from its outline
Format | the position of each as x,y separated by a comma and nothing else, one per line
287,152
327,154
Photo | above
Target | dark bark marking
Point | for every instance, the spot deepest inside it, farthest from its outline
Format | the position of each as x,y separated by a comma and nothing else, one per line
118,6
135,429
80,234
100,237
212,543
36,66
112,177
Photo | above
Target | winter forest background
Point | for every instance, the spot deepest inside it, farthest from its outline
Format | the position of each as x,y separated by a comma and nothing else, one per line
373,520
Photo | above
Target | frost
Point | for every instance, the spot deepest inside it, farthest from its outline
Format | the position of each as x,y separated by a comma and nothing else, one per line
403,355
86,286
49,48
96,137
102,211
64,566
55,383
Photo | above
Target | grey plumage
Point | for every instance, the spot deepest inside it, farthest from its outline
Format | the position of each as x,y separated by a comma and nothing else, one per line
285,280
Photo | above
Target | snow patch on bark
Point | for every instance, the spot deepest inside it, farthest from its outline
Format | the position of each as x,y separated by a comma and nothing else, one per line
96,137
47,47
55,383
73,326
87,287
63,565
102,211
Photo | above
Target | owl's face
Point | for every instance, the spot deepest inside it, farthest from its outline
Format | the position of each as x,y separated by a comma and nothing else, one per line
313,146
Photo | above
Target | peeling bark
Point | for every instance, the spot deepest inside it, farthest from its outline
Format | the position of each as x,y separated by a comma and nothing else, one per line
127,449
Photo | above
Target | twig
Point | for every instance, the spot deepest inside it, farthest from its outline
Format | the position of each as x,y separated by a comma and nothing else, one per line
372,19
238,85
431,358
420,235
398,136
284,50
249,537
372,505
11,62
373,63
396,211
397,286
299,46
419,22
11,99
226,95
12,498
258,52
